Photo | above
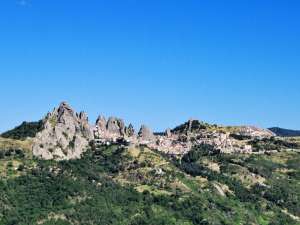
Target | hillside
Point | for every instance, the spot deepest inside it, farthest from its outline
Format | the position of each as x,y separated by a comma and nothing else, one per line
63,170
137,185
285,132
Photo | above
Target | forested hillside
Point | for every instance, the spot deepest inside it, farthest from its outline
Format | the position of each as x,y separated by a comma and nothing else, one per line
136,185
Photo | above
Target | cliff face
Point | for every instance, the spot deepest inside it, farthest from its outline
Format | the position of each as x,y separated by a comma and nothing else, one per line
66,134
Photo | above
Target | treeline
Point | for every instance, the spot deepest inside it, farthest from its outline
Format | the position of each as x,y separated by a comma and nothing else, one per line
26,129
83,191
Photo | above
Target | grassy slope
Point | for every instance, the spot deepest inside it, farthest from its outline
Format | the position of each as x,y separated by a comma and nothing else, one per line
139,186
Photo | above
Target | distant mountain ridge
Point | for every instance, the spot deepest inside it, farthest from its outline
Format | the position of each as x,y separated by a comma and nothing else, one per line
285,132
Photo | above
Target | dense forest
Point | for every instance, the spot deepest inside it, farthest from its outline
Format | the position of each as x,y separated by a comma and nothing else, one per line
136,185
116,185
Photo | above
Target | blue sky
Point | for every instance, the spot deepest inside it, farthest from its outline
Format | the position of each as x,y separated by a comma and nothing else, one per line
155,62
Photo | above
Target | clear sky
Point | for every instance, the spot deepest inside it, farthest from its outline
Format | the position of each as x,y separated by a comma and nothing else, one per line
158,62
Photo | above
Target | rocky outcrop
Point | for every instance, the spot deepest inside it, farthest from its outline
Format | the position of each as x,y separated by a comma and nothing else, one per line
115,126
112,129
66,134
101,124
85,126
145,134
254,132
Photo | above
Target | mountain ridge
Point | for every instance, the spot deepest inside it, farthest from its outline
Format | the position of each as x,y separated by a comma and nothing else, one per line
285,132
67,134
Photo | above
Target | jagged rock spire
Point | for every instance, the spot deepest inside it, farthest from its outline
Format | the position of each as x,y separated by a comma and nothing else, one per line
63,110
115,126
145,133
65,136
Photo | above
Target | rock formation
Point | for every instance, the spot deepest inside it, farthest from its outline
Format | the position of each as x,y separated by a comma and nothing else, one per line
66,135
115,126
85,126
112,129
145,134
252,131
101,124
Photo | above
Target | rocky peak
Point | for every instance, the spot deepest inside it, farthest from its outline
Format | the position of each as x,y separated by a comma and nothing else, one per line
145,133
65,135
112,129
85,126
115,126
64,110
101,123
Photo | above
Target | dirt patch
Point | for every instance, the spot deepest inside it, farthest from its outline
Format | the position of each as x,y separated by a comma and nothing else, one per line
203,182
53,216
222,189
213,166
179,185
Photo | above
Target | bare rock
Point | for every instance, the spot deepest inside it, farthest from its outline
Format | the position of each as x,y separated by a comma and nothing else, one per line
101,124
66,135
115,126
85,126
252,131
146,134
